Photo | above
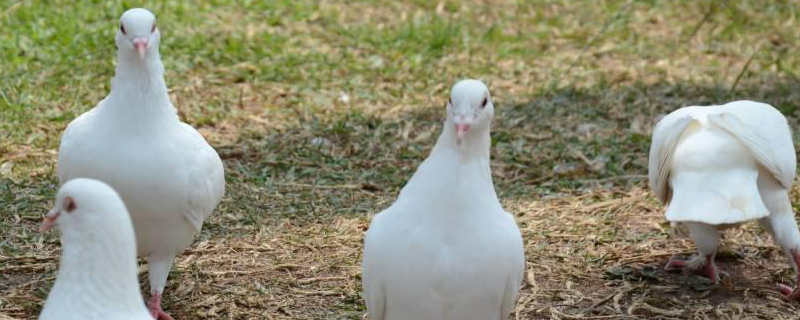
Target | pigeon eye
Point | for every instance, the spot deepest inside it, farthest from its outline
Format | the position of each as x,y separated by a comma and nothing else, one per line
122,28
483,104
153,29
69,204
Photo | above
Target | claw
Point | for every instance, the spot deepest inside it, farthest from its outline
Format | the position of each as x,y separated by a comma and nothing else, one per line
675,265
789,293
155,308
705,268
785,290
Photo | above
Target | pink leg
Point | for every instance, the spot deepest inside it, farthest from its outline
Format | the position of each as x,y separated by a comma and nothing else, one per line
707,269
155,308
792,294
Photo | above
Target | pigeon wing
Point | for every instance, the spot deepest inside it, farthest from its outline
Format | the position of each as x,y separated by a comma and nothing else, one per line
206,179
665,137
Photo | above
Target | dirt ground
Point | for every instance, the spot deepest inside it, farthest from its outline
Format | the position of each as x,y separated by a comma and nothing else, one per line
594,256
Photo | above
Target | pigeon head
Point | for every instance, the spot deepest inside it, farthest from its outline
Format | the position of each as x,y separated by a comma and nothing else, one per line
469,108
83,205
137,35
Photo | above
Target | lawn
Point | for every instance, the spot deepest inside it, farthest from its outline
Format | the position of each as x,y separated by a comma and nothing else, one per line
321,110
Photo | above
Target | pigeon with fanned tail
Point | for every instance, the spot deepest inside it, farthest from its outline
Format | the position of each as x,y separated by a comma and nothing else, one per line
446,249
718,166
164,170
97,275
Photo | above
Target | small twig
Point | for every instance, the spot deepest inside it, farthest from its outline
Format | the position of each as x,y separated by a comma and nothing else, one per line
578,154
616,296
28,258
741,73
230,272
241,99
706,17
26,298
311,280
27,267
604,300
302,244
7,317
635,301
287,267
532,181
664,312
613,202
569,316
622,177
648,256
317,293
316,186
521,305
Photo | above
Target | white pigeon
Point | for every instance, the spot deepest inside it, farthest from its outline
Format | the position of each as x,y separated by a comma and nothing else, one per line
97,276
168,175
719,166
446,249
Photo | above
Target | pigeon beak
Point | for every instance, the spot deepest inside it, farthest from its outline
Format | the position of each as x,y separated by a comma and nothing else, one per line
461,129
49,220
140,44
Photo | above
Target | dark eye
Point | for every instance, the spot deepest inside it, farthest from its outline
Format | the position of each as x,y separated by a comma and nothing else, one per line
483,104
153,29
450,101
122,28
69,204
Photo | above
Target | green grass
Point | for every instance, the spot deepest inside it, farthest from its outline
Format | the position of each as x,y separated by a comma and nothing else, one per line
577,87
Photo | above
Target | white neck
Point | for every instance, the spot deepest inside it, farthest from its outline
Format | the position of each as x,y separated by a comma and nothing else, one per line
474,146
139,96
455,178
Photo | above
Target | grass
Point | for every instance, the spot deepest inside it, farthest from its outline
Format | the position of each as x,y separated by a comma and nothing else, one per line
323,109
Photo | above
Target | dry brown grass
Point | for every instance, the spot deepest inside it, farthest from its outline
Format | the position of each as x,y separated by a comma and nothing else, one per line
594,256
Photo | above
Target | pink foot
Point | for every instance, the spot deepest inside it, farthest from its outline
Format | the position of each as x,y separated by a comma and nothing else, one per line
707,269
789,293
155,308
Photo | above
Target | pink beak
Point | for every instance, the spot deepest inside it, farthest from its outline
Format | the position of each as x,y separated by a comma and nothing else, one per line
461,129
49,220
140,44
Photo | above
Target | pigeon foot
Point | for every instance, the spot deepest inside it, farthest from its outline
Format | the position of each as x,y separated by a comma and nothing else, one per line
698,266
155,308
789,293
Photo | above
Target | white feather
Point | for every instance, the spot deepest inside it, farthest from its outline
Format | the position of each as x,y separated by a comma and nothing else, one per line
170,178
97,273
710,173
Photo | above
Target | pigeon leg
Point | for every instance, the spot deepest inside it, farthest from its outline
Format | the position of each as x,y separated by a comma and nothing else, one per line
158,270
786,235
706,238
783,227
